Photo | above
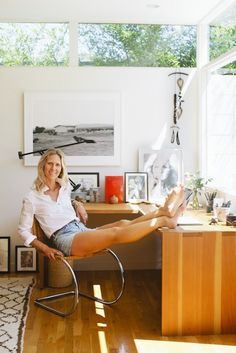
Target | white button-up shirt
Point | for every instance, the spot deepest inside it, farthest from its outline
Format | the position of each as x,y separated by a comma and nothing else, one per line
51,215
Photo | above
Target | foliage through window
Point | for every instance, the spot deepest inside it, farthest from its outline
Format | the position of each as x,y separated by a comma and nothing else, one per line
222,39
137,45
34,44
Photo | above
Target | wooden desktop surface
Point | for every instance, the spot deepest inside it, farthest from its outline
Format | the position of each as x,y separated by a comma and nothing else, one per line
198,273
100,207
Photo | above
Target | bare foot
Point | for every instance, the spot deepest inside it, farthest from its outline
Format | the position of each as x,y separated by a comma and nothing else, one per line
173,221
173,201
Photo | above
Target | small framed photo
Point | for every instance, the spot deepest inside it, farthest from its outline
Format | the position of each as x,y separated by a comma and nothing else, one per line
4,254
26,259
82,182
136,187
164,168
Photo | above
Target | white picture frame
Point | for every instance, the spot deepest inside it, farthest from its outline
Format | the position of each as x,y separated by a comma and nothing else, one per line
164,168
53,119
136,187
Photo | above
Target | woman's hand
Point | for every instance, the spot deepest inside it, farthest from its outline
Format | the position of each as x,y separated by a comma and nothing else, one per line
80,211
52,254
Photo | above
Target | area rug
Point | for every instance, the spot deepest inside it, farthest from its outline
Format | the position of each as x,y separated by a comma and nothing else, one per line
14,300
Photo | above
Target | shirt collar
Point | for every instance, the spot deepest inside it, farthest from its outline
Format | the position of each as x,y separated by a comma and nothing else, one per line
45,187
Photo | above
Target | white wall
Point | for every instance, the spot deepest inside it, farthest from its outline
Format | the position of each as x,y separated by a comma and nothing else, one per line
146,111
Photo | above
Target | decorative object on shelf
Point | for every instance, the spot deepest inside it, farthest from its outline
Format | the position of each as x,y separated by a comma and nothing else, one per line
114,186
114,199
221,213
231,220
177,102
210,197
221,209
87,121
195,200
196,183
213,221
4,254
95,195
136,187
164,168
26,259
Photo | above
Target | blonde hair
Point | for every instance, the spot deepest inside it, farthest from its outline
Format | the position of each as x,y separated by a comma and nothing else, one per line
40,180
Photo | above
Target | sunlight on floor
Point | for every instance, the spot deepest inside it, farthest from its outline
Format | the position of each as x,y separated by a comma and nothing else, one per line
149,346
99,308
102,342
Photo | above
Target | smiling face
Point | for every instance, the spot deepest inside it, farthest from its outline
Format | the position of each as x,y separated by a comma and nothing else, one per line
52,168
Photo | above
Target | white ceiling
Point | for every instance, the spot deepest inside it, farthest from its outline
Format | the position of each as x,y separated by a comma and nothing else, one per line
137,11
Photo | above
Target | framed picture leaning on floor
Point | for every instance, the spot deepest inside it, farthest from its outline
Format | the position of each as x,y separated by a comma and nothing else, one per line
4,254
26,259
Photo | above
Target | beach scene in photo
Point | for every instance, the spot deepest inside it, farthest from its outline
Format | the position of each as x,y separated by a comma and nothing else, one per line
85,121
87,139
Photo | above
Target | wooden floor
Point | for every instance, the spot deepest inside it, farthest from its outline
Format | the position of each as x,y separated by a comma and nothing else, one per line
133,325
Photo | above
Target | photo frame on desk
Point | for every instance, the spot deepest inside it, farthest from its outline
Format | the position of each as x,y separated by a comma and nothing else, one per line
26,259
4,254
164,168
89,121
83,181
136,187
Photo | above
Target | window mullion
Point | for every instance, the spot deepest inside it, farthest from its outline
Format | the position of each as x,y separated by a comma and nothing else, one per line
73,34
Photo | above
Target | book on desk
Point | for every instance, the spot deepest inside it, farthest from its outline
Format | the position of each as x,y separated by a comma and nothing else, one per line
189,221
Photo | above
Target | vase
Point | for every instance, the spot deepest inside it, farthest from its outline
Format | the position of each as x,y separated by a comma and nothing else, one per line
195,202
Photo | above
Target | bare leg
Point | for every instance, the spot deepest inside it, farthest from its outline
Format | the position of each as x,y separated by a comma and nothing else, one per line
87,243
172,203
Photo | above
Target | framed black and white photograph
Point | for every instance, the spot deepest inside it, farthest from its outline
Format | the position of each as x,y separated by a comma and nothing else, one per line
26,259
89,122
164,168
83,181
4,254
136,187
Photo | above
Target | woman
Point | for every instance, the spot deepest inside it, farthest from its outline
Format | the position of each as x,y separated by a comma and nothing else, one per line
50,203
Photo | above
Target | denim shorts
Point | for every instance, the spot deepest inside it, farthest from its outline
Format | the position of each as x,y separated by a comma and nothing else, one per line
62,238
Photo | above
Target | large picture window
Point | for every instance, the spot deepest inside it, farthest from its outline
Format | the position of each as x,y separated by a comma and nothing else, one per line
221,127
218,104
34,44
137,45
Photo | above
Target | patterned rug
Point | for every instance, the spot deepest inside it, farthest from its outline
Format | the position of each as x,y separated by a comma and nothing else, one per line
14,298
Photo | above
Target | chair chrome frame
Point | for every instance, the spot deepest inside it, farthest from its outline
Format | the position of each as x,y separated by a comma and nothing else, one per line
76,293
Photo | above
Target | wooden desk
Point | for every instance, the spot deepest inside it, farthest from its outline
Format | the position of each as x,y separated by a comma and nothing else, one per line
198,275
199,279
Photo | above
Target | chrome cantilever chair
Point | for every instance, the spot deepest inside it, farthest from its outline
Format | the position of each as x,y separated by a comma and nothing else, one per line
75,292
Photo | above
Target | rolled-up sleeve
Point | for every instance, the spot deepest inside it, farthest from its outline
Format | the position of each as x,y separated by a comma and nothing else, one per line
26,222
